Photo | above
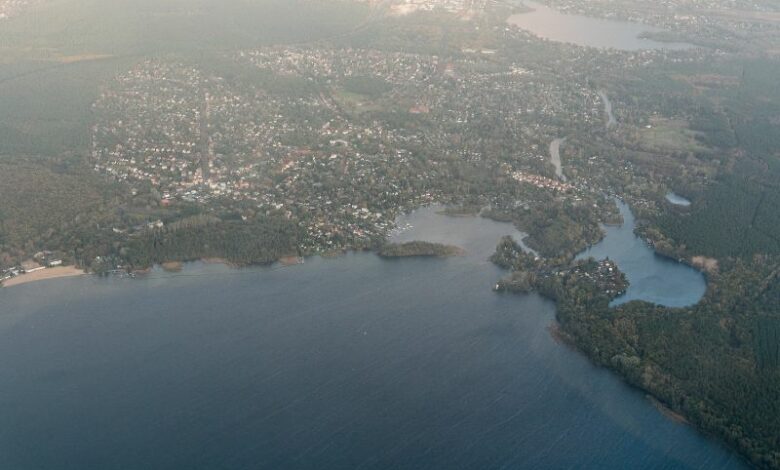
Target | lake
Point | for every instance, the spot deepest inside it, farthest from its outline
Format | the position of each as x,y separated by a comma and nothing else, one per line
581,30
653,278
677,200
355,362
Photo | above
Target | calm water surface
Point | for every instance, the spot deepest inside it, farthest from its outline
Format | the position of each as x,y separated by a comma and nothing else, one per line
653,278
677,200
582,30
348,363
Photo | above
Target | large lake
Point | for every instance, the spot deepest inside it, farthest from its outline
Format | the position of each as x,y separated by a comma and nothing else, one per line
354,362
551,24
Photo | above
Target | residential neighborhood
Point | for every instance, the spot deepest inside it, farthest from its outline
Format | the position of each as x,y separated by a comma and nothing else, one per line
41,261
330,149
10,8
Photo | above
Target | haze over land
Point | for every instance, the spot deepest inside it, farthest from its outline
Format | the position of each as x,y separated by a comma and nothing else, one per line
140,132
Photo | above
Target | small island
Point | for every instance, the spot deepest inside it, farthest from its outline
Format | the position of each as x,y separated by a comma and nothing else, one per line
419,249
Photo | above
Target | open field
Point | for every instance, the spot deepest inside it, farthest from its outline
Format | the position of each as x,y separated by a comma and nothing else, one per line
670,135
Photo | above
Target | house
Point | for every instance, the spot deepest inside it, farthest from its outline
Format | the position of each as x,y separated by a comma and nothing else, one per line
31,266
54,262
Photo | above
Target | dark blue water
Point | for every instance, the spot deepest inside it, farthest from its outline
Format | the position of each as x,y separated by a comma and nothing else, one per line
653,278
348,363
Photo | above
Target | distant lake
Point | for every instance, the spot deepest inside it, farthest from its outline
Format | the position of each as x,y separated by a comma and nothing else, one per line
677,200
354,362
554,25
653,278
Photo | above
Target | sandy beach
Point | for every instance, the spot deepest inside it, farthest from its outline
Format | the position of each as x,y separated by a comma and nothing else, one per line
51,273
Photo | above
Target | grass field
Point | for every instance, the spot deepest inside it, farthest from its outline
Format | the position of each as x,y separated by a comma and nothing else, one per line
670,135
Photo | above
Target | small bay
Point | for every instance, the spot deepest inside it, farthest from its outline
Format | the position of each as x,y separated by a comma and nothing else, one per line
653,278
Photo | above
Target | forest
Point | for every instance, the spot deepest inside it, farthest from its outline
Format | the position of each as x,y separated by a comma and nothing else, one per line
736,216
556,229
716,363
263,241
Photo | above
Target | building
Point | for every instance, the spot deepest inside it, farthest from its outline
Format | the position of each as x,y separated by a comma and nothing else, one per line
31,266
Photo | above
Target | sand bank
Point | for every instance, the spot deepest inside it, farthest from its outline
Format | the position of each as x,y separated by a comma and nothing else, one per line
45,274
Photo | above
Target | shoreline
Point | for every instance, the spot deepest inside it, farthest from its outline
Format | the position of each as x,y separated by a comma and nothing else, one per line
555,329
668,412
59,272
